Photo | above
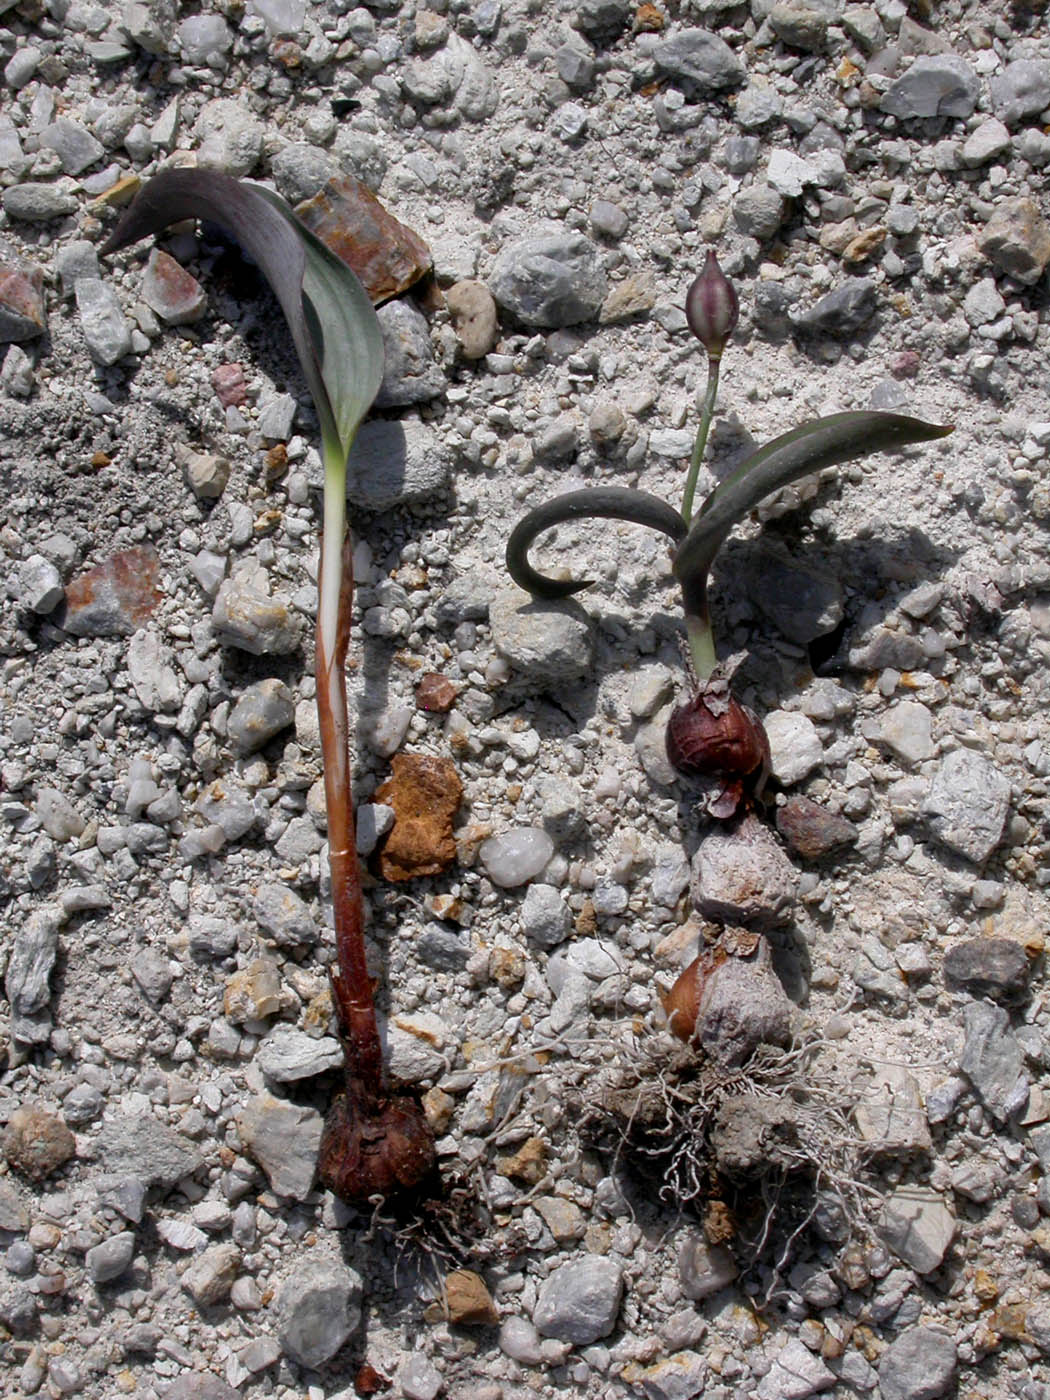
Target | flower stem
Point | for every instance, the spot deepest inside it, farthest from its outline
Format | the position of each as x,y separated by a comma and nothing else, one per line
706,414
351,985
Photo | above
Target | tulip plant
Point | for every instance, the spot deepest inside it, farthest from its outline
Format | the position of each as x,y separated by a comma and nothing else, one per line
375,1143
711,735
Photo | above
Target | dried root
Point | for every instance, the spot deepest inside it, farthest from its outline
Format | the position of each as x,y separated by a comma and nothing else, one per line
756,1151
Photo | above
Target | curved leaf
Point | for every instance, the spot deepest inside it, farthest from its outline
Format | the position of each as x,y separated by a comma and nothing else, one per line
331,320
608,502
813,446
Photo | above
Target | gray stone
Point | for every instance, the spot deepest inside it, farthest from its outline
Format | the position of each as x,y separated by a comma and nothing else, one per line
301,171
204,39
1017,239
918,1365
316,1310
983,303
940,85
276,417
678,1377
145,1148
59,818
210,1276
844,310
17,376
918,1226
516,856
794,746
126,1194
288,1054
38,203
83,1104
543,641
545,916
231,137
968,805
40,584
206,475
991,967
152,971
758,211
704,1268
420,1379
284,1139
701,59
1021,90
803,601
993,1061
74,145
283,915
890,1118
552,281
28,981
802,24
14,1218
393,462
154,678
410,374
907,730
796,1372
742,876
603,20
608,220
262,712
579,1302
443,949
247,617
192,1385
372,821
108,1260
102,320
1037,1325
989,140
757,105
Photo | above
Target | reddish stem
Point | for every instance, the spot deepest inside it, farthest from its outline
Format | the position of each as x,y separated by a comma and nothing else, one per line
351,984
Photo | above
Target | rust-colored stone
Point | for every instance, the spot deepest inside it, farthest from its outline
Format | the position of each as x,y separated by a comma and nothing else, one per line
528,1164
115,598
649,20
349,219
21,299
435,693
812,831
37,1143
425,793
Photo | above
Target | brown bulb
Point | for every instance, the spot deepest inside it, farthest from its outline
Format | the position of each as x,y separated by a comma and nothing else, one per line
682,1003
380,1148
706,739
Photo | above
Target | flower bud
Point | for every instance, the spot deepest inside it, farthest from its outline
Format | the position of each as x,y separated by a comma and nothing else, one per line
711,308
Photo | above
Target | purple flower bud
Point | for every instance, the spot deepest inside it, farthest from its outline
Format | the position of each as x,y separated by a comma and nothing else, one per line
711,308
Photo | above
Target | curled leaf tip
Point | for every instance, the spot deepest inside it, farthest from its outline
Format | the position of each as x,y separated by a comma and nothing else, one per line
712,308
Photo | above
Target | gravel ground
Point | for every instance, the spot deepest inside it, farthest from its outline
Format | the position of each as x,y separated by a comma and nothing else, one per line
860,1214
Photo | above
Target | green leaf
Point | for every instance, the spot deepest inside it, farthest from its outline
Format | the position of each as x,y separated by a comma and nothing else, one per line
331,320
810,448
606,502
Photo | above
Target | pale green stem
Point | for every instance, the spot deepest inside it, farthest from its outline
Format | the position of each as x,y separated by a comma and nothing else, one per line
331,574
701,642
706,414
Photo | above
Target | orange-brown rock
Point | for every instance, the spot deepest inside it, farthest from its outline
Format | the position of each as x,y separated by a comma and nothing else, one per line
528,1164
116,597
468,1301
435,693
425,793
349,219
